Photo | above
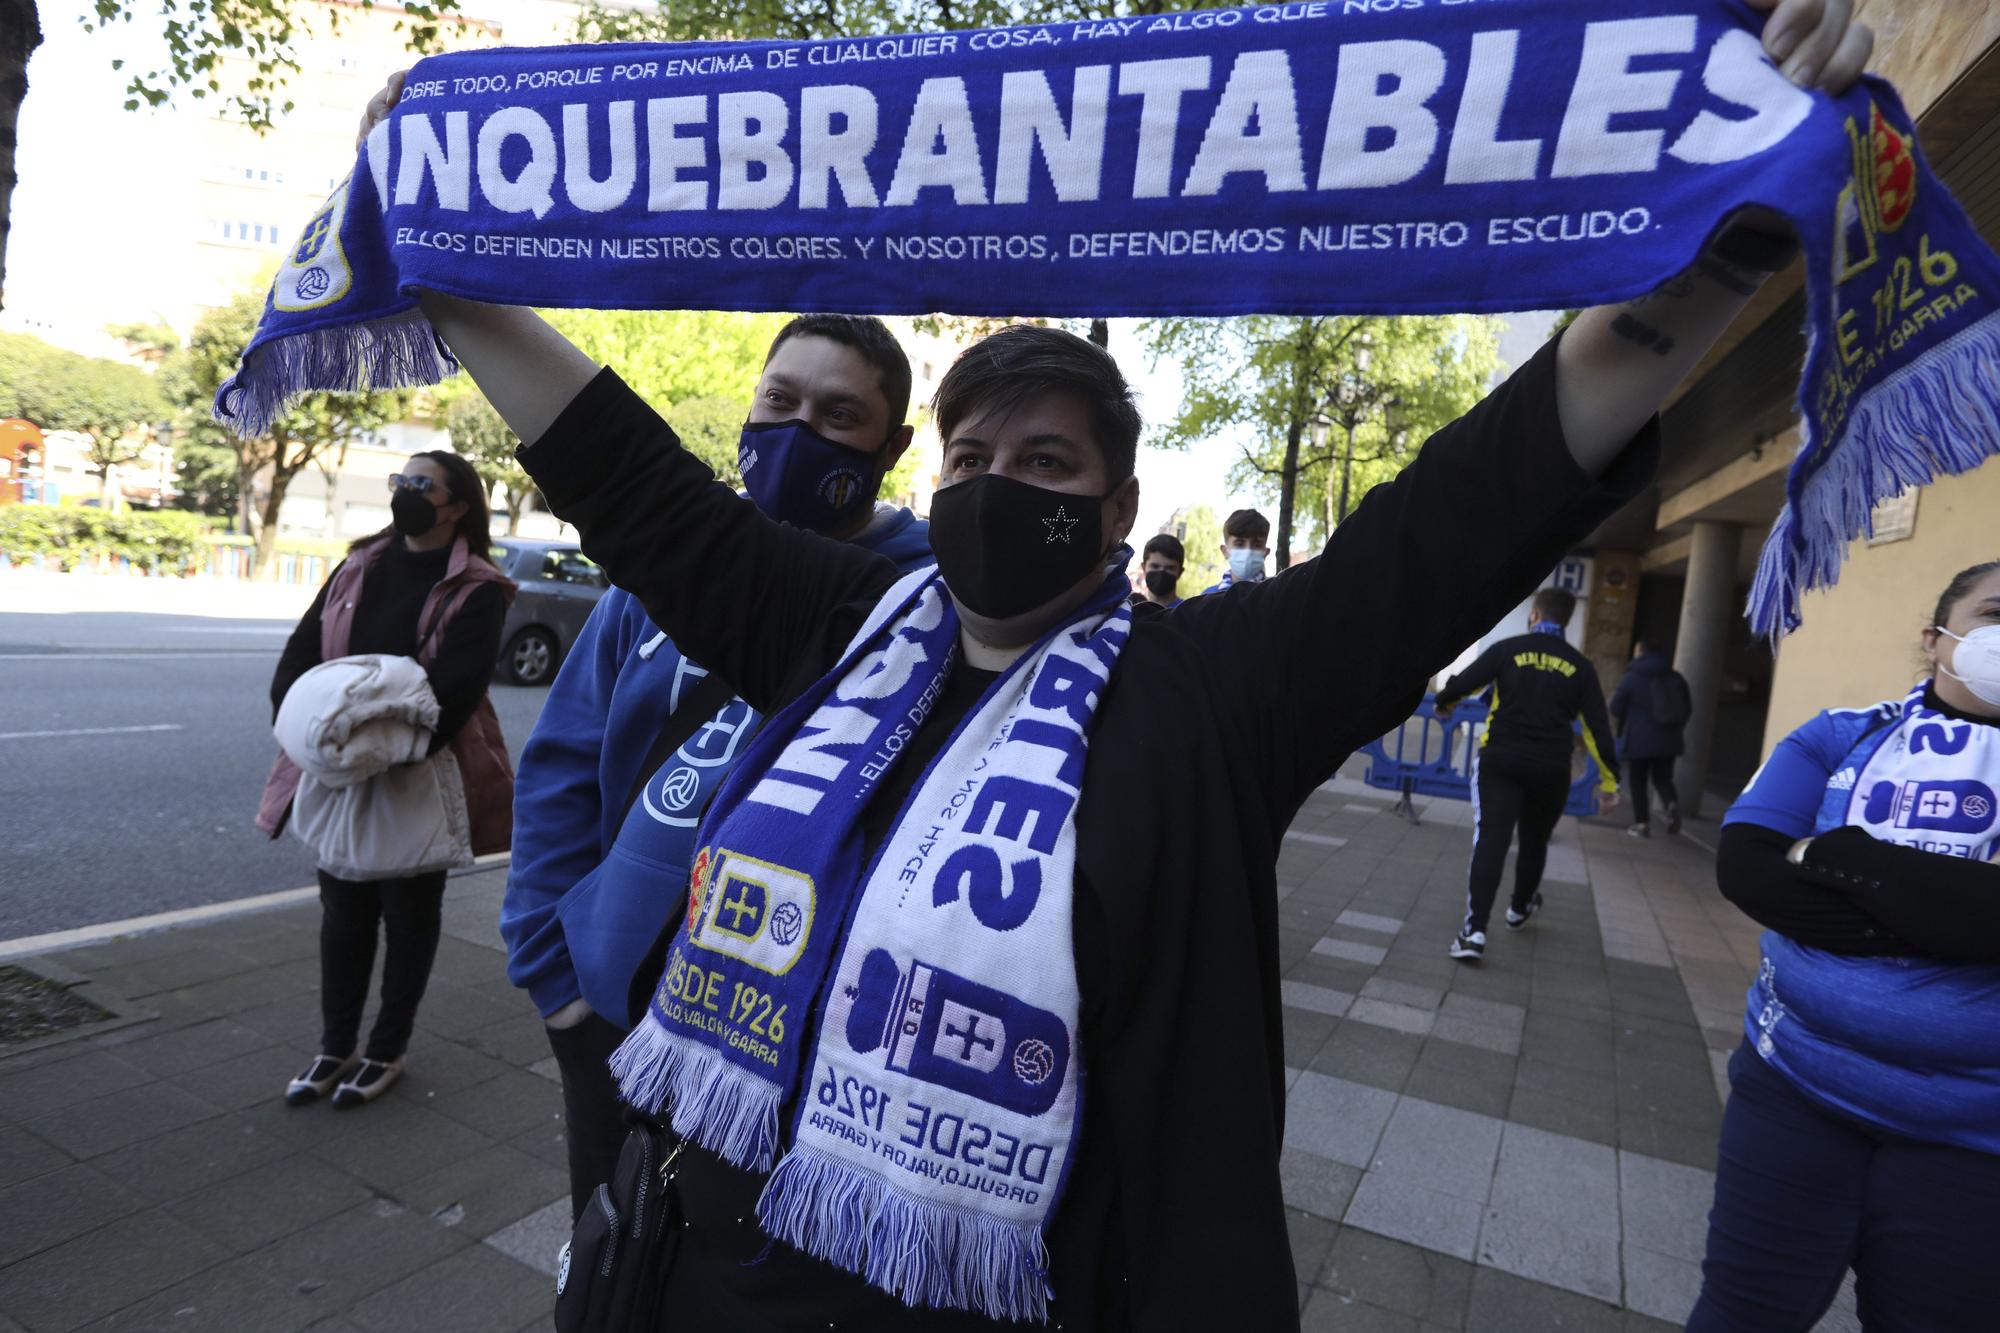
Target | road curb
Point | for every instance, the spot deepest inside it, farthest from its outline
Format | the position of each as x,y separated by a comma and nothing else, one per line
57,941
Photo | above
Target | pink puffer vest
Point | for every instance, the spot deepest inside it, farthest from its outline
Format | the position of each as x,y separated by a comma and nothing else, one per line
480,748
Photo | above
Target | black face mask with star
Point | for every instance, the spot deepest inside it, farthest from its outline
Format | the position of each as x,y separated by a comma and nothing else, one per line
1006,547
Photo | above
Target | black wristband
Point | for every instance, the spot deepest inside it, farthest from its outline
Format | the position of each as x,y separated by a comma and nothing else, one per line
1758,251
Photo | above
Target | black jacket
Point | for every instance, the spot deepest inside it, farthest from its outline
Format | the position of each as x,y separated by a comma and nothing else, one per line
1540,686
1642,735
1225,713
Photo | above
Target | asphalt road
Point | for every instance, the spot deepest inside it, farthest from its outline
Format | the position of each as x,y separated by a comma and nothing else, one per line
142,799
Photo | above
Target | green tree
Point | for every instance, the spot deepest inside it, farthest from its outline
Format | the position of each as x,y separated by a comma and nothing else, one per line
114,404
668,356
1200,531
315,430
477,432
1329,404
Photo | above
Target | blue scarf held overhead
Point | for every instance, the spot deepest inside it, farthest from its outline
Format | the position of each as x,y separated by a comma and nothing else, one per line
916,1009
1299,158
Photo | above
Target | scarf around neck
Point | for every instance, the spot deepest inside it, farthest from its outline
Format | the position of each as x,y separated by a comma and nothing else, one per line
1337,157
916,1008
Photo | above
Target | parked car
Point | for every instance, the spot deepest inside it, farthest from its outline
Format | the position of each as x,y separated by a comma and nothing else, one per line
559,585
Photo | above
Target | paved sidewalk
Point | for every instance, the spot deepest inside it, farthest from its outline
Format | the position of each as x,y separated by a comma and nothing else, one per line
1525,1145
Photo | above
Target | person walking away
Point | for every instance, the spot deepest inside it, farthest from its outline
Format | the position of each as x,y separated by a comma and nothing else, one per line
423,588
1160,566
1651,707
1520,772
1863,1127
1246,545
616,773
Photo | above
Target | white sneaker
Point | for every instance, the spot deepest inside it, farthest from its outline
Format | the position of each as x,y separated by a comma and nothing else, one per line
1471,948
367,1083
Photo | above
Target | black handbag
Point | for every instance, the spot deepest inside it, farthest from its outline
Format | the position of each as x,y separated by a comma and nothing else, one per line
611,1274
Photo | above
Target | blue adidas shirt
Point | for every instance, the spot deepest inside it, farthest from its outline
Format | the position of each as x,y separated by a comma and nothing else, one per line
1906,1044
588,893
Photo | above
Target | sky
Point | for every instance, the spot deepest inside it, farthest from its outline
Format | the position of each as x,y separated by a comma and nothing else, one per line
97,182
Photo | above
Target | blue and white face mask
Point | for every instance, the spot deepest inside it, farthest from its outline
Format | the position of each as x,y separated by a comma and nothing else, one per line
1244,563
798,476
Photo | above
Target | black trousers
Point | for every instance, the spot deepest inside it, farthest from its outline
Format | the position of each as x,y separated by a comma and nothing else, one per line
1658,773
593,1116
353,914
1511,797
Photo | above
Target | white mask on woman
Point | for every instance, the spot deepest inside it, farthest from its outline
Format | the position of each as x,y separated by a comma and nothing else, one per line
1977,659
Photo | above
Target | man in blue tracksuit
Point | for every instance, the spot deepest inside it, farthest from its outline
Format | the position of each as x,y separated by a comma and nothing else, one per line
600,862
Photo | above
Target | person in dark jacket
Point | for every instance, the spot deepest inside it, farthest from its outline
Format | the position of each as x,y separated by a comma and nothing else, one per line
1863,1126
1165,1209
584,913
1651,706
1520,775
423,588
1160,566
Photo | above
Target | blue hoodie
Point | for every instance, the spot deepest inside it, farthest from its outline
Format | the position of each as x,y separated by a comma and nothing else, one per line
586,897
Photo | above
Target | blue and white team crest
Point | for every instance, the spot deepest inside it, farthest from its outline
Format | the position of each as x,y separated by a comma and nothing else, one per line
756,913
1959,806
676,794
315,271
952,1032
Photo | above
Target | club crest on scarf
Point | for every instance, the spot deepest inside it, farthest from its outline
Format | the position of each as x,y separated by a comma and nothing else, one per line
315,273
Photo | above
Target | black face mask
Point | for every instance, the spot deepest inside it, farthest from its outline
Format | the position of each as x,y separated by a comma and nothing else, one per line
1161,582
1007,546
412,514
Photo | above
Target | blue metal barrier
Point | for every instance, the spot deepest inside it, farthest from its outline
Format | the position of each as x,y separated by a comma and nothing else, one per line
1428,757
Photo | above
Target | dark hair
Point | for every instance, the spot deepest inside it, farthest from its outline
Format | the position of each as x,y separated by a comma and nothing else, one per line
1556,604
1168,545
460,483
1004,370
1960,588
1247,524
871,338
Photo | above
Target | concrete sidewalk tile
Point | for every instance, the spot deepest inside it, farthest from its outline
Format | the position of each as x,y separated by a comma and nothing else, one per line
1316,1184
1395,1017
476,1290
1461,1060
167,1166
42,1213
1315,999
1559,1115
1664,1205
253,989
1333,947
439,1068
1367,1054
537,1239
1556,1178
196,1046
486,1191
1396,1276
1305,1033
1660,1285
1569,1257
232,1295
1483,1096
1331,1312
397,1144
243,1080
104,1271
1502,1041
1335,1118
454,1011
121,1118
1504,1303
1405,1211
518,1041
500,1108
1671,1139
269,1202
543,1145
548,1068
1488,1013
1311,1240
24,1157
338,1261
1385,925
87,1074
1439,1148
1415,995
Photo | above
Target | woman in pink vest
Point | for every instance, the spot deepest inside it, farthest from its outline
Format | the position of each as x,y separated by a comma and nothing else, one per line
421,588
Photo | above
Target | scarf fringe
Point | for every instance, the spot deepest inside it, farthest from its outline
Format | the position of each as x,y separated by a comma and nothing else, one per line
725,1109
924,1253
1935,417
396,352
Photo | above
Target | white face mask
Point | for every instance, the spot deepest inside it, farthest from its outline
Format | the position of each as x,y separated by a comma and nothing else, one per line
1245,563
1977,659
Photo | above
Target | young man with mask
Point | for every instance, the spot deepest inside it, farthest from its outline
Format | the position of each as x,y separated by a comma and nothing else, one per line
604,815
1160,566
1246,544
954,884
1520,773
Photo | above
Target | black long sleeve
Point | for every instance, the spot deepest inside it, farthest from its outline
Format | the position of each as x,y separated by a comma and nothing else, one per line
1945,906
1597,726
301,650
467,652
1482,672
1751,869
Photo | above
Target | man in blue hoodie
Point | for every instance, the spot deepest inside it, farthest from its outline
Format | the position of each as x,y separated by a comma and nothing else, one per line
600,863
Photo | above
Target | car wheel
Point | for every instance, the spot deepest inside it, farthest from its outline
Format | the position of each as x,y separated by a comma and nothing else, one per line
531,657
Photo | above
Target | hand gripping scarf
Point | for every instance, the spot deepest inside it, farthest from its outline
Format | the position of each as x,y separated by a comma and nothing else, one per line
916,1010
1341,156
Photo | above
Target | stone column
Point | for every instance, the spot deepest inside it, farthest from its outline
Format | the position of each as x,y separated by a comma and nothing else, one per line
1707,606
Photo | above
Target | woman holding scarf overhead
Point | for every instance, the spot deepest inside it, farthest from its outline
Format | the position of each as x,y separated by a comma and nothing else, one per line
966,1010
1863,1130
